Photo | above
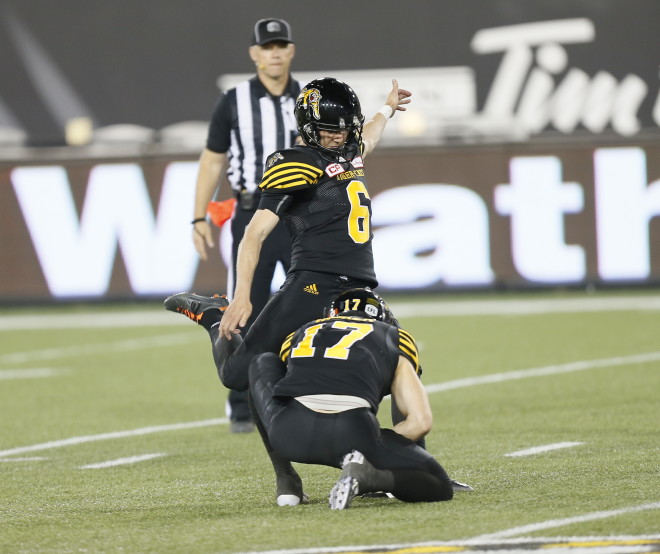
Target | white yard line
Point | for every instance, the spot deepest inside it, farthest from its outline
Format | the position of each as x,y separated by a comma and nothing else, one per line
437,308
504,306
128,345
114,435
440,387
141,318
543,371
30,459
31,373
552,523
542,449
124,461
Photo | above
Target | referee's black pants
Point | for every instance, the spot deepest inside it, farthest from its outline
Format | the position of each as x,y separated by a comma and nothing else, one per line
302,435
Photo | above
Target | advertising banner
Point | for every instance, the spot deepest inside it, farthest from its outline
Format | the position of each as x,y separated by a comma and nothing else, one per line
529,157
490,217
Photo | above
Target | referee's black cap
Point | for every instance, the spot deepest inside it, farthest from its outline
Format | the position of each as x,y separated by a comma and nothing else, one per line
270,30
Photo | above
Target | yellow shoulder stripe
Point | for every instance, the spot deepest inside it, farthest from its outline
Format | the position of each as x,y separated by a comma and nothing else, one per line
409,348
286,348
299,166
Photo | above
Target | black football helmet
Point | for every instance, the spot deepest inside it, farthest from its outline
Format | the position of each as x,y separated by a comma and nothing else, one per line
329,105
362,300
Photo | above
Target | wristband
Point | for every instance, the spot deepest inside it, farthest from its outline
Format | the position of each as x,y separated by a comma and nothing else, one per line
387,111
198,220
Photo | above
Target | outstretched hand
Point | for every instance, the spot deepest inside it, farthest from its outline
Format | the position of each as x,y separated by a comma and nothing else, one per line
398,97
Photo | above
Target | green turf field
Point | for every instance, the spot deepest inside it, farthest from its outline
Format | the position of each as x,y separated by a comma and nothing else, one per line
114,439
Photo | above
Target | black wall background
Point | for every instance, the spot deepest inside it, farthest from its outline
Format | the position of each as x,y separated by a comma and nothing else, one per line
156,62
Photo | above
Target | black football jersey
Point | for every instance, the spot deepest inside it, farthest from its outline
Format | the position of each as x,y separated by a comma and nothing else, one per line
344,355
326,209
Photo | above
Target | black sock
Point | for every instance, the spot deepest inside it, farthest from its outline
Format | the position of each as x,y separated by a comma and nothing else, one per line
210,317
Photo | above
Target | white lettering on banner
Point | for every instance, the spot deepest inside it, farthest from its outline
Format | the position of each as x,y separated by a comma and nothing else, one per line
441,236
624,207
536,199
577,99
77,256
425,234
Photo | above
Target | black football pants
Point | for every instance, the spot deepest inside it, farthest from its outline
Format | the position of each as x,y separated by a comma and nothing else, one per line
303,297
302,435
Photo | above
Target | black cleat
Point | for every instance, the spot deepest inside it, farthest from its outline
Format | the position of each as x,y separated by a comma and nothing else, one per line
203,310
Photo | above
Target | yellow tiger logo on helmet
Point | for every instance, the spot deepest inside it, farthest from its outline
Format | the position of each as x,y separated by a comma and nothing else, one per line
311,97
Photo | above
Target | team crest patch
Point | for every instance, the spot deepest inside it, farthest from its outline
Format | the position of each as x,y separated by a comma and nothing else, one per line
311,97
272,159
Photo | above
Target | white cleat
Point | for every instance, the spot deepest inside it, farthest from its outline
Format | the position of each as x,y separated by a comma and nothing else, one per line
354,466
291,499
288,500
343,493
460,487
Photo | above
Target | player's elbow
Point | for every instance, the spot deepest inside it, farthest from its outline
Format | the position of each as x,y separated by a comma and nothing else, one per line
420,424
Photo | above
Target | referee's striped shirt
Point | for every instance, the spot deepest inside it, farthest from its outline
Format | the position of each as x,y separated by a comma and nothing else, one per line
249,124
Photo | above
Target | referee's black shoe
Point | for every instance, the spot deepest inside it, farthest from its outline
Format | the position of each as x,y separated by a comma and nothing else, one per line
203,310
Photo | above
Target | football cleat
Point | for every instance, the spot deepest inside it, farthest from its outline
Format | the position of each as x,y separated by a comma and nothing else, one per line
292,500
239,427
460,487
343,493
357,473
289,489
203,310
378,494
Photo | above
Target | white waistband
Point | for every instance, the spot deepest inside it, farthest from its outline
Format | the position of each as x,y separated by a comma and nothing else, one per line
332,403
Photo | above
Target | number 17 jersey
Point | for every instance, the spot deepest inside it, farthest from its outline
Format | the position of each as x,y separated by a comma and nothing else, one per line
326,209
344,355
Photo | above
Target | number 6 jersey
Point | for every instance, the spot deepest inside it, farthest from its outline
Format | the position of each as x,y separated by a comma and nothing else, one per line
326,209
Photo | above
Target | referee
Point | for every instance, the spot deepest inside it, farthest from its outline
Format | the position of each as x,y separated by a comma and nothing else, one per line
250,122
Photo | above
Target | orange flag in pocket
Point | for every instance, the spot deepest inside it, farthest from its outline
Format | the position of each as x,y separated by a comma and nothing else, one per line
221,211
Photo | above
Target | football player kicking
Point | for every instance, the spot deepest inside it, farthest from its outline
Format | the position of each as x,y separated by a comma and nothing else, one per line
319,191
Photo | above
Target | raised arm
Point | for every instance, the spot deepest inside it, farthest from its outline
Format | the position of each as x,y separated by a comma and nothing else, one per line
412,400
240,308
373,129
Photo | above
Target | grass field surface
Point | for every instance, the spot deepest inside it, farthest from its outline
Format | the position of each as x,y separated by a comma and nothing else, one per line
114,437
